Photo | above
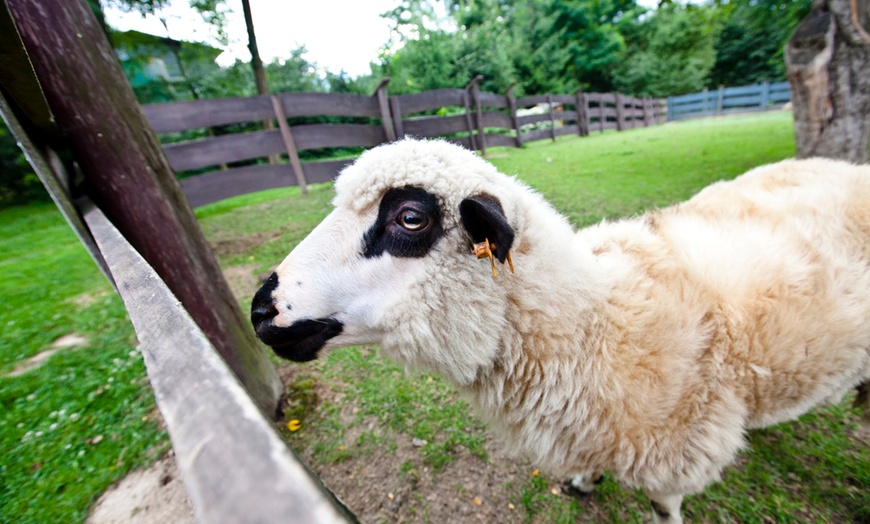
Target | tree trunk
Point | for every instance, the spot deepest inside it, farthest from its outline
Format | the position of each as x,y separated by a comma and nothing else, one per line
257,65
128,176
828,61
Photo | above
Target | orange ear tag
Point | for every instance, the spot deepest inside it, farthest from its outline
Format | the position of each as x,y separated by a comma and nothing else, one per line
484,250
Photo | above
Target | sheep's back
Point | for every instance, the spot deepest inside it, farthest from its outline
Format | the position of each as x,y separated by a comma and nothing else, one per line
785,251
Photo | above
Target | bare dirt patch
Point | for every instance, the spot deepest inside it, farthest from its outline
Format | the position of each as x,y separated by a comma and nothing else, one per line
154,495
242,244
243,280
66,341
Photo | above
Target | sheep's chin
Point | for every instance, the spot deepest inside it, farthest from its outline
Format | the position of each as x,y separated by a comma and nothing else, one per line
303,340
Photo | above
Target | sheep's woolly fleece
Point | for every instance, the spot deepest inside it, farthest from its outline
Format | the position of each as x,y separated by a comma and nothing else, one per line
645,346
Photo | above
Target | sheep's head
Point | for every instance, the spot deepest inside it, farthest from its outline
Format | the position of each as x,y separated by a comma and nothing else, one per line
392,263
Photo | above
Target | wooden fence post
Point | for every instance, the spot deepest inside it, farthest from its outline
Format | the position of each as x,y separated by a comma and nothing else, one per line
620,112
478,112
384,105
601,118
580,108
765,95
289,143
645,111
396,109
512,105
468,123
129,177
720,100
552,118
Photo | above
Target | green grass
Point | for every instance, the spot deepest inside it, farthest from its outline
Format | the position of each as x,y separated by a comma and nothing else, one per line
355,404
81,421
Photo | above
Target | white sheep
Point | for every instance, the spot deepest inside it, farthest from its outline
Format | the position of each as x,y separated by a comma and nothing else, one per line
645,347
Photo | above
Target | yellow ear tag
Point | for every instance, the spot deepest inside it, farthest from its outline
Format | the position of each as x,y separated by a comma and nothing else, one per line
484,250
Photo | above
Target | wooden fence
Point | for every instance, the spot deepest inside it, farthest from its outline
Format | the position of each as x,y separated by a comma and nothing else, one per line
469,117
727,100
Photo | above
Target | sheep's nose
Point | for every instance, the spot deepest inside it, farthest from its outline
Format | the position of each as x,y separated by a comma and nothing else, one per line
263,308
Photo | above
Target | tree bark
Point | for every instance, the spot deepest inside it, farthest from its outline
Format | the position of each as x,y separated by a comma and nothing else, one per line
128,176
828,62
257,66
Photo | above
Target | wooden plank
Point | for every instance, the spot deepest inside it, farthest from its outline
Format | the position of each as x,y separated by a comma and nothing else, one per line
529,101
329,104
428,126
538,134
289,144
427,100
566,130
493,100
499,140
234,464
464,141
226,183
493,119
325,170
313,136
212,151
218,185
532,119
748,100
172,117
128,176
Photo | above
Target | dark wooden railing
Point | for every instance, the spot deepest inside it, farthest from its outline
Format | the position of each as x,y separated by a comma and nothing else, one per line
477,120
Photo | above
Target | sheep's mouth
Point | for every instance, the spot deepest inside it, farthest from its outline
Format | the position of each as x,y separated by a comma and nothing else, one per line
301,341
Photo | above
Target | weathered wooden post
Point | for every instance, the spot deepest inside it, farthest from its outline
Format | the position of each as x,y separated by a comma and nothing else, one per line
396,109
512,106
602,118
474,87
765,95
620,112
384,105
552,118
289,143
127,175
582,116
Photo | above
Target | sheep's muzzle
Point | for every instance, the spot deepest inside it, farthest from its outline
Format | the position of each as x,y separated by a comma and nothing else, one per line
299,341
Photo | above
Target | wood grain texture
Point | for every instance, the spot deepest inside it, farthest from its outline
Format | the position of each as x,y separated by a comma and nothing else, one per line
234,464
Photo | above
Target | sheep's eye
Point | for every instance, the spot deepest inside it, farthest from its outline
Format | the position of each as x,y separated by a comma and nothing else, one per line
413,220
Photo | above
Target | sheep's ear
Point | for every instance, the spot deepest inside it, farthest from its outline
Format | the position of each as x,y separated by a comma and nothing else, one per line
483,217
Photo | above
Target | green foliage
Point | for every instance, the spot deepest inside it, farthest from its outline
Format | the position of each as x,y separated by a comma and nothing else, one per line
749,45
672,53
18,183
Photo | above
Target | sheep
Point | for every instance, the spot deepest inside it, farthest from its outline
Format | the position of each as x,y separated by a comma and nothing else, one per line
645,347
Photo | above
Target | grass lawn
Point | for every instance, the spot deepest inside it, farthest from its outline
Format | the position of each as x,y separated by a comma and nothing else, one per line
392,445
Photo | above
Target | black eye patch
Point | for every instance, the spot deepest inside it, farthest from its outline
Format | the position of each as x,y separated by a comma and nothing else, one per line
408,224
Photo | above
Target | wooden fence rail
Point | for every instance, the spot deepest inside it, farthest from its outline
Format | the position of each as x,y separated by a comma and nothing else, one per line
469,117
728,100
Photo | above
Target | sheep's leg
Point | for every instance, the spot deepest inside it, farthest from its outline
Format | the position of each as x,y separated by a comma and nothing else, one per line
666,508
862,401
582,485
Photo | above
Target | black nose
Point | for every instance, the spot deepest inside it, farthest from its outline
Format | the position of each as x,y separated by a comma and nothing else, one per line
263,308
